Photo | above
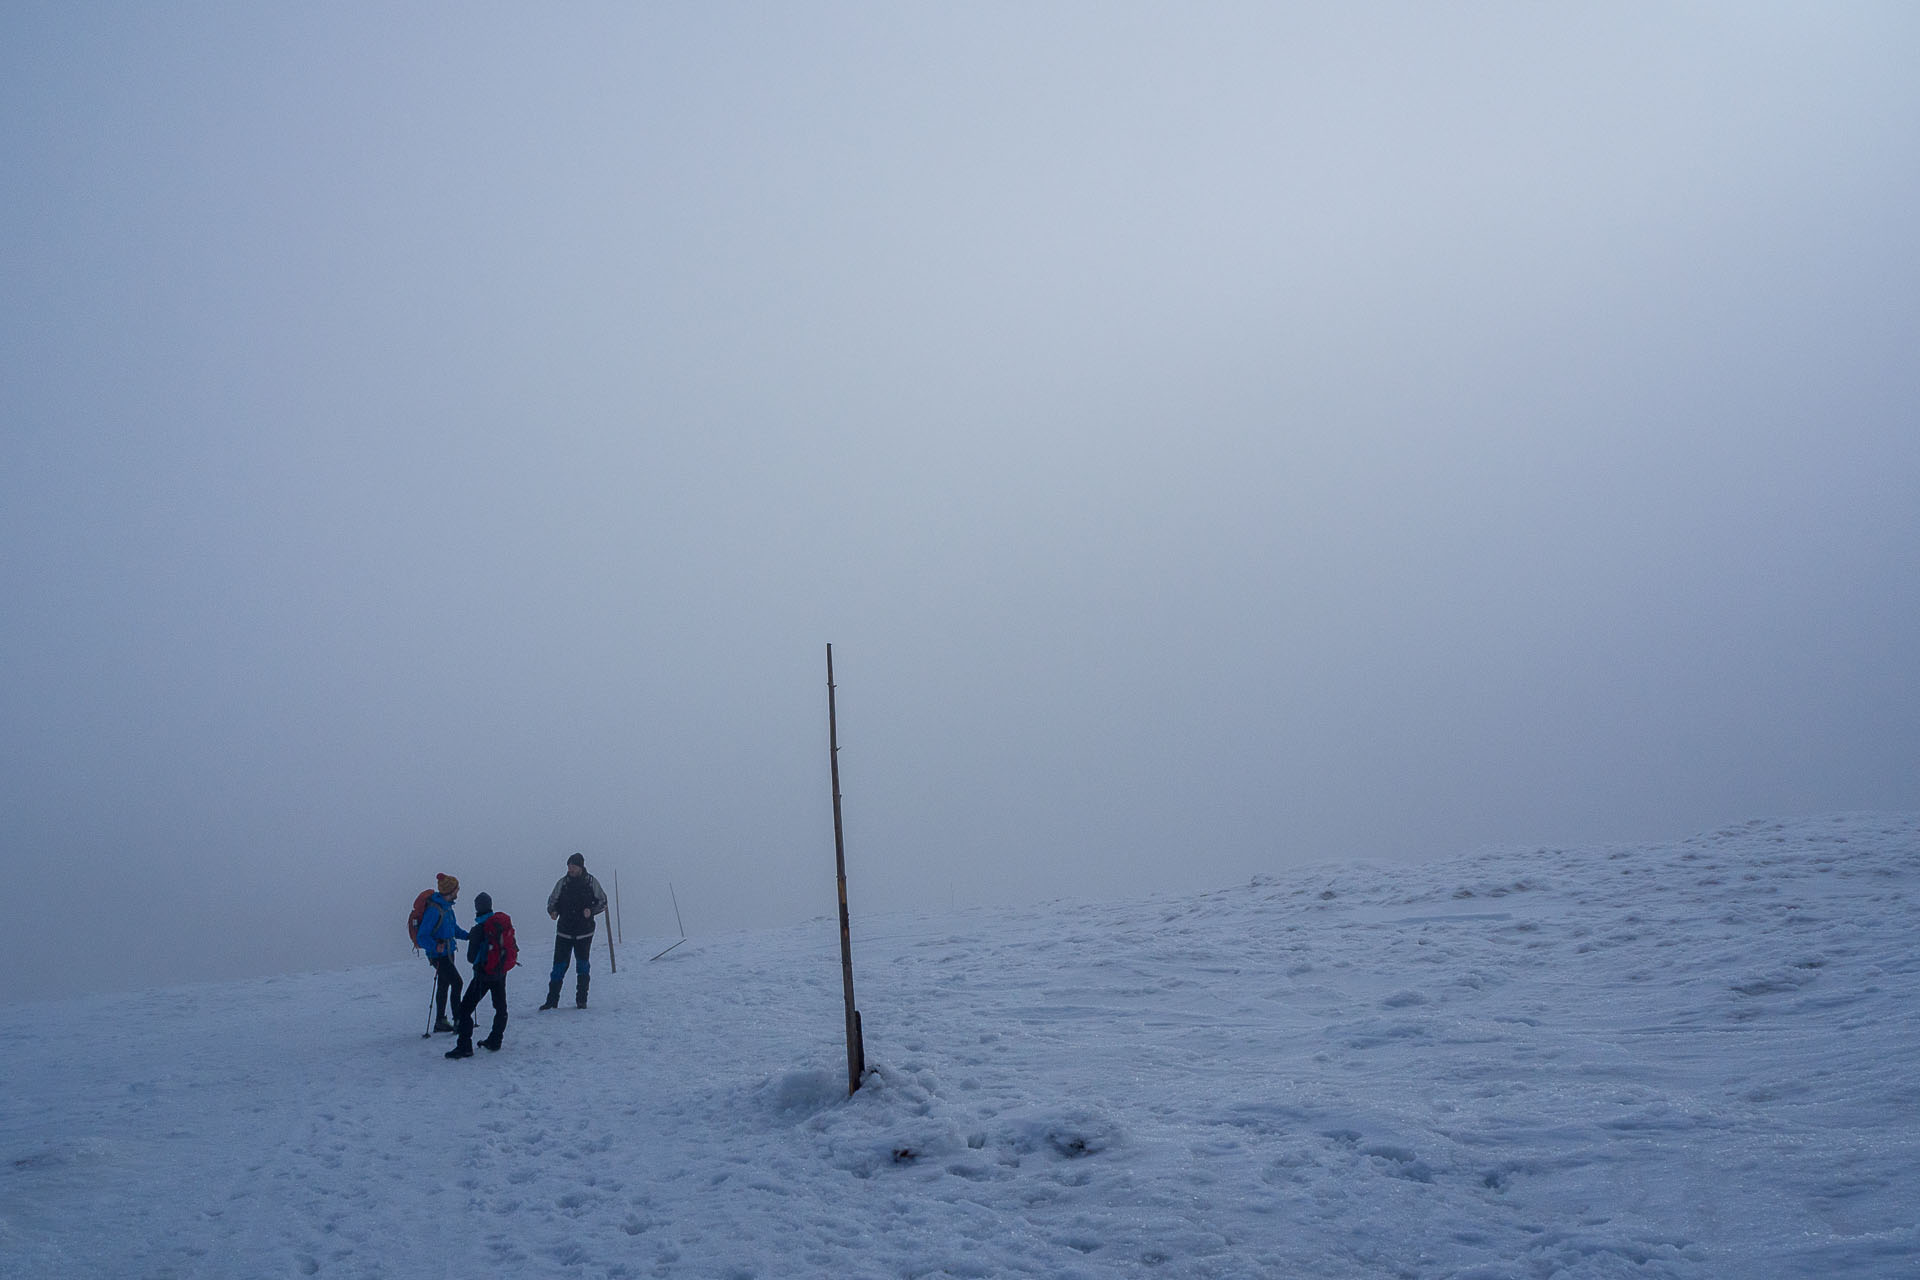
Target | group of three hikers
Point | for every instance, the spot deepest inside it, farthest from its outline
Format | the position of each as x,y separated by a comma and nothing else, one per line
492,950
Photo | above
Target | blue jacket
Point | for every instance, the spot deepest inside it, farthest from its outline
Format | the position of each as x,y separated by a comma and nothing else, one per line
438,928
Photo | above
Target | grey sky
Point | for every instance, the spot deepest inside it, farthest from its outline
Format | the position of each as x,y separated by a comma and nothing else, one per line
1213,437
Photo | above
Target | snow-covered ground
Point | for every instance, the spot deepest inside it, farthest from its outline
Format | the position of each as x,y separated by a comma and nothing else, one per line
1696,1059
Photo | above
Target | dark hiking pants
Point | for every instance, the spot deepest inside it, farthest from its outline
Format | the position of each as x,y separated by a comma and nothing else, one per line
446,984
563,947
483,984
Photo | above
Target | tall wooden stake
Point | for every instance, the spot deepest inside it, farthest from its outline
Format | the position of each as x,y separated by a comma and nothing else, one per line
856,1049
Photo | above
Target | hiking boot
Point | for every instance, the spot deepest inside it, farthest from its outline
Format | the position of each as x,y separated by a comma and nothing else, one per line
460,1051
441,1024
553,996
580,993
491,1044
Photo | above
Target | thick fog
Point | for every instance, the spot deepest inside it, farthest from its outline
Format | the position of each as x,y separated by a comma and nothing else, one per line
1213,438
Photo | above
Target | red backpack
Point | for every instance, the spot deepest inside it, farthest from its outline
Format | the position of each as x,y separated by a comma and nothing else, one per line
503,952
413,917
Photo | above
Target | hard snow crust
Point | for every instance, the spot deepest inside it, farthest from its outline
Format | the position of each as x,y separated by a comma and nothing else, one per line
1682,1060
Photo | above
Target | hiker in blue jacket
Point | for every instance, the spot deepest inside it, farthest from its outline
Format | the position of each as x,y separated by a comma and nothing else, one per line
437,934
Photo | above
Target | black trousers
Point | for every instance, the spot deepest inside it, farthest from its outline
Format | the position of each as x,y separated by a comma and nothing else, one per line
565,948
484,984
446,984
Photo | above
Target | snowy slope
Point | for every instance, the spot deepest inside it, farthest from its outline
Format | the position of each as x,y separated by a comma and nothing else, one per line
1680,1060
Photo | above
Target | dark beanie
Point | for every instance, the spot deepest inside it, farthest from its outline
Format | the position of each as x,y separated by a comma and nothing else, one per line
483,903
577,861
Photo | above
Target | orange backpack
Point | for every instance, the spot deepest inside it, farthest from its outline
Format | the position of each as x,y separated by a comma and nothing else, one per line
413,917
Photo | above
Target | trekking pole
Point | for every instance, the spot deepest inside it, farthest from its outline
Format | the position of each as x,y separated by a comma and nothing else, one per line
612,962
432,990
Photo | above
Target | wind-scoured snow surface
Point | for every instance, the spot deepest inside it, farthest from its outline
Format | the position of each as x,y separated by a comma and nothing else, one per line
1695,1059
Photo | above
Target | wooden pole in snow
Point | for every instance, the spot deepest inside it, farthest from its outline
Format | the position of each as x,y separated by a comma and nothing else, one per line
856,1049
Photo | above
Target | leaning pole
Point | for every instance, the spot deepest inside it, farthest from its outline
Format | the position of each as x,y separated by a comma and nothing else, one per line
856,1050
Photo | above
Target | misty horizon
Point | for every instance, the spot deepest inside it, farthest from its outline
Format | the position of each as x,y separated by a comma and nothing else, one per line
1213,441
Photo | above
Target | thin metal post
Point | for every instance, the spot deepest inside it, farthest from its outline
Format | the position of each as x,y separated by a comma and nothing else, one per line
676,919
856,1049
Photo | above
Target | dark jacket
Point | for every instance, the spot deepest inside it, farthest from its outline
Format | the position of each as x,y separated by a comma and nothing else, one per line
572,896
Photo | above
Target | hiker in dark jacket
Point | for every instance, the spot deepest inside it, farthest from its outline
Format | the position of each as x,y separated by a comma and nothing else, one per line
438,930
488,953
572,905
